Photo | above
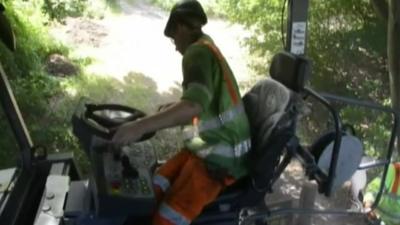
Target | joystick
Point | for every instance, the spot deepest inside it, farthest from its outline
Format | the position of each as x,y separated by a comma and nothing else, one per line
128,171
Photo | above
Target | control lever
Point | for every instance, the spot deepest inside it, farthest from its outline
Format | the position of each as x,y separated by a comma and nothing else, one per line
127,169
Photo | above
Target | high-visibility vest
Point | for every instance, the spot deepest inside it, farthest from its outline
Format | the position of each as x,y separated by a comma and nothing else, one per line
191,132
394,188
225,155
389,206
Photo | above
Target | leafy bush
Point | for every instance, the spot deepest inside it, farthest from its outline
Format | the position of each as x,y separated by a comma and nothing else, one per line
32,87
346,44
60,9
33,41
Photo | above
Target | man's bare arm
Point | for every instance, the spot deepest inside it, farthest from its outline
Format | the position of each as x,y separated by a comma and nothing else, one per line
180,113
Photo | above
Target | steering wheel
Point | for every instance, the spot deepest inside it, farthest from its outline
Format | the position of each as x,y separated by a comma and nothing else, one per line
104,119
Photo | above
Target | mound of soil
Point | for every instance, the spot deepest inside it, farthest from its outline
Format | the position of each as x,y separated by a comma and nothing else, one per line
59,66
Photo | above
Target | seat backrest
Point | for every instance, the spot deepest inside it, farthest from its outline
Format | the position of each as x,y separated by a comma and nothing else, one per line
265,104
272,106
291,70
270,99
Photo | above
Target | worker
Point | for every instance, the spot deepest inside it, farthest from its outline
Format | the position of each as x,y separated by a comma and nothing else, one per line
216,128
388,208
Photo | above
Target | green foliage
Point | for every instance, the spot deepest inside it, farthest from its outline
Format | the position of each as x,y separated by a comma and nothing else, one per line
263,18
60,9
32,87
33,42
347,46
347,43
112,5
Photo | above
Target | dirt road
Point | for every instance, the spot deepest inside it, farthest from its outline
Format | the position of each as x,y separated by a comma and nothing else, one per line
134,41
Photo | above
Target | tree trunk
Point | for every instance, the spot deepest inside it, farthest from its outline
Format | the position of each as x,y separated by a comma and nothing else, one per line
393,51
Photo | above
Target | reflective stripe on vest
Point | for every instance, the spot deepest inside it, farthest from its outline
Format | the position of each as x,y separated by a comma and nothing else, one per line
162,182
390,196
226,150
172,216
191,131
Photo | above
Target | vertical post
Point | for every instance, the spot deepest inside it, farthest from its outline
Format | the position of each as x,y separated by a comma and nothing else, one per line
296,37
306,201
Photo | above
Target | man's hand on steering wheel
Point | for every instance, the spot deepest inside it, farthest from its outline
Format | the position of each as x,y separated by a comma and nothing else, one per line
128,133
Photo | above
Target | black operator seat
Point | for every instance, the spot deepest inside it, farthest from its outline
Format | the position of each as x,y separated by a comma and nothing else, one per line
272,106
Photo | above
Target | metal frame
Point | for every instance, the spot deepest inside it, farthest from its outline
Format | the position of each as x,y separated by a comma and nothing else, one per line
297,24
298,13
18,199
20,204
325,99
328,184
394,134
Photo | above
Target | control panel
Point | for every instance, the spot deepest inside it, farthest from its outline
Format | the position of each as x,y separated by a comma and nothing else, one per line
123,178
128,173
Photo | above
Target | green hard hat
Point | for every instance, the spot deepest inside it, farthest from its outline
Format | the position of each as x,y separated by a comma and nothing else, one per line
6,33
185,11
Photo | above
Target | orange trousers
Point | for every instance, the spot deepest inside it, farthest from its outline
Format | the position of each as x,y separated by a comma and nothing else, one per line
183,188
